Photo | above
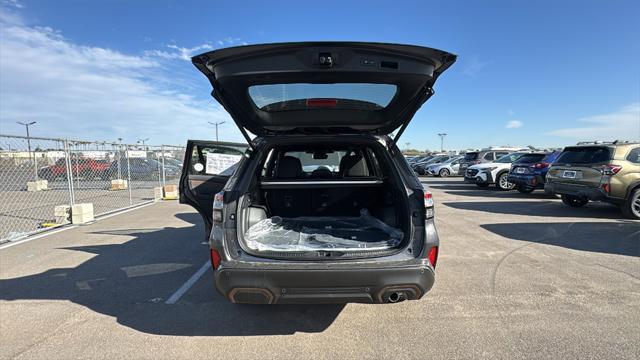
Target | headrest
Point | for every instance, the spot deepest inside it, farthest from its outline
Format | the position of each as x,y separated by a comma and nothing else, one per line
353,165
289,167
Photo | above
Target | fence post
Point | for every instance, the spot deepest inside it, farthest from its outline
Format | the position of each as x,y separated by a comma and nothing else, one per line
129,178
67,156
164,178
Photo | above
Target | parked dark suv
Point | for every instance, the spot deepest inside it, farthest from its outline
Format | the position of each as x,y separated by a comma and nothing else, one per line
322,206
598,171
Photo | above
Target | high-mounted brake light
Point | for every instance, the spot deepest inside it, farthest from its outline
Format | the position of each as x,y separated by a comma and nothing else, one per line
322,102
433,256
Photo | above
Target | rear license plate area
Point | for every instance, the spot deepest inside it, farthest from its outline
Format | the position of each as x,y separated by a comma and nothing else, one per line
569,174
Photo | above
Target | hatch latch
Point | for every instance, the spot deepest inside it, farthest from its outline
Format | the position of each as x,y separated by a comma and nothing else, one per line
325,59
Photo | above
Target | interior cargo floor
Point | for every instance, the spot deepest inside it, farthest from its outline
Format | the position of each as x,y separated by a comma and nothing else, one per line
340,233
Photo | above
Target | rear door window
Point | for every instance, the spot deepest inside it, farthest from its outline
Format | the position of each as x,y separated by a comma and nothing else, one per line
634,156
585,155
214,160
470,156
488,156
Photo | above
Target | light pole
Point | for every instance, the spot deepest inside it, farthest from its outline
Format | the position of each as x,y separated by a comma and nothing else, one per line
216,124
442,135
35,160
143,141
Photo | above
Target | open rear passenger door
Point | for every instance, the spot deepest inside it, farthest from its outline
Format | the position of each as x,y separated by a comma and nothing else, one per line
207,168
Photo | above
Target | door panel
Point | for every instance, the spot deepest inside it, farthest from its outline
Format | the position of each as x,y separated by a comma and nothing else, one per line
207,168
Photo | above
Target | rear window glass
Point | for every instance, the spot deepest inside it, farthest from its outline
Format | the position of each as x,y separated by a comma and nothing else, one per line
509,158
585,155
336,163
531,158
281,97
471,156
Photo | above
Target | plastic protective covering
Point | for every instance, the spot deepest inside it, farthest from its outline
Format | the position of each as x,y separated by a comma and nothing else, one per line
334,233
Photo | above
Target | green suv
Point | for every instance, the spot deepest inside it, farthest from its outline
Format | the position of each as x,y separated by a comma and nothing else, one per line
598,171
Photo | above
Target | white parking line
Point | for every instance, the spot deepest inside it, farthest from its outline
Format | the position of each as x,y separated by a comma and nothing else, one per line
186,286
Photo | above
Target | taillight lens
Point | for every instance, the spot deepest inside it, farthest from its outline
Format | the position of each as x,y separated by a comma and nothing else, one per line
428,204
218,204
433,256
541,165
610,169
606,188
215,259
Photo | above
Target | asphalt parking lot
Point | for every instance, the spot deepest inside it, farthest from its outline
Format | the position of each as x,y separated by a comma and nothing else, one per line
519,276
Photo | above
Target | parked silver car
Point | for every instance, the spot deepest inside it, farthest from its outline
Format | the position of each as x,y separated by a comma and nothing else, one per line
447,168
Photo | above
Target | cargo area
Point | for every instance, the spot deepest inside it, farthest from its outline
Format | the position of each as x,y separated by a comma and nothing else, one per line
323,199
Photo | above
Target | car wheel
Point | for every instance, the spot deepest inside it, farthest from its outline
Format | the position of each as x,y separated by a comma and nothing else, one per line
574,201
504,184
482,185
525,189
631,207
444,173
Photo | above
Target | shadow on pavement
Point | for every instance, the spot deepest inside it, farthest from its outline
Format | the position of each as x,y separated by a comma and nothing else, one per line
621,238
130,281
493,192
541,208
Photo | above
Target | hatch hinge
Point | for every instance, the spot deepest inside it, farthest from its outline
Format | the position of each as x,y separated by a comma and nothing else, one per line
428,92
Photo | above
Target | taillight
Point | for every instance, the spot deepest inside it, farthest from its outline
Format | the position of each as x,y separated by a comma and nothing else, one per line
605,188
610,169
540,165
218,204
428,204
433,256
215,259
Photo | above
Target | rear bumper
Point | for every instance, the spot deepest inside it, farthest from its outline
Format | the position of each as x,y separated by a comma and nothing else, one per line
531,180
314,286
594,194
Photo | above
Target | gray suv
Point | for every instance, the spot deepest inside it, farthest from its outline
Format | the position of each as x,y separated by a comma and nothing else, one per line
320,206
483,156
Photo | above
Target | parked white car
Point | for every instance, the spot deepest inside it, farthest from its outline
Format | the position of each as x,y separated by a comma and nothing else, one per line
493,173
444,169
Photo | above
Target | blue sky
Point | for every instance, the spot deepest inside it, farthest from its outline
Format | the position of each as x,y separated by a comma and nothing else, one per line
547,73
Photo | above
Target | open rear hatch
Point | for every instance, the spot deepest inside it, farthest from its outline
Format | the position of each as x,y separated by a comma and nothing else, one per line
322,87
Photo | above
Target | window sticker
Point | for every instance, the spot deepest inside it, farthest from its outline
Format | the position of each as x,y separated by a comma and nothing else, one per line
217,163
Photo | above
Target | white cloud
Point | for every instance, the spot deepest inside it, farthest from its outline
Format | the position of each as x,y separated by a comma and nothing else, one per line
177,52
621,124
474,66
97,93
514,124
13,3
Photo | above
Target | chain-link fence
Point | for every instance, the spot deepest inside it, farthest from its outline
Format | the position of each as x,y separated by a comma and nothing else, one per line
38,174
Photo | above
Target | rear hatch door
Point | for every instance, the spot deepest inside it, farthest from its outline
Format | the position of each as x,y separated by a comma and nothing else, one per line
581,165
322,87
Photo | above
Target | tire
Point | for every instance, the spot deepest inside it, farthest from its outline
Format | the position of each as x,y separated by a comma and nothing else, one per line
574,201
444,173
503,184
631,207
482,185
525,189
